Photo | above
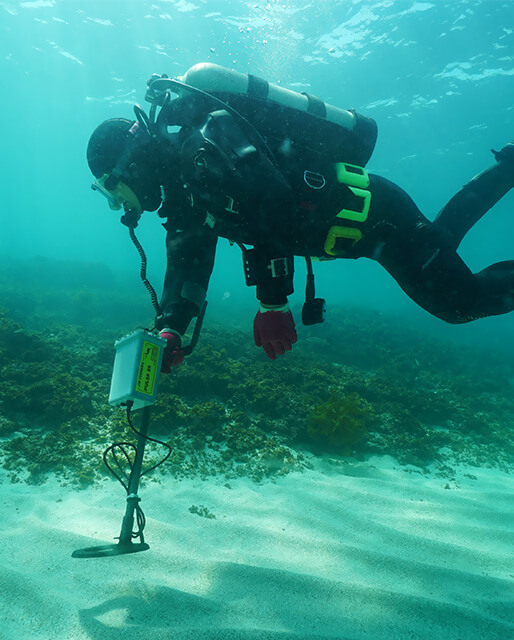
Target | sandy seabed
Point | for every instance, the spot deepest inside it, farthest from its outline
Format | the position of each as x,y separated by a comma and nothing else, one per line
355,551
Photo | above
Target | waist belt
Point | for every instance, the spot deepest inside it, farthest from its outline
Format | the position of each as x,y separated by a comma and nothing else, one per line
340,238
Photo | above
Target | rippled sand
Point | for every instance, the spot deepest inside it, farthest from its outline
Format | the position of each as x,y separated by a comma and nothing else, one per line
359,551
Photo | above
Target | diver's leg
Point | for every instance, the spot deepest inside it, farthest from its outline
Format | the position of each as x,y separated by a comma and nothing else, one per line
477,197
498,283
432,275
425,264
439,281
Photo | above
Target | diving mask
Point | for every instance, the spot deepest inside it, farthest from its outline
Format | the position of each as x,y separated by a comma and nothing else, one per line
121,196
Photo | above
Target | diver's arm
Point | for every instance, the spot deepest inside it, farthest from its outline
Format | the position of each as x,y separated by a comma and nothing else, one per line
274,327
256,179
190,260
271,272
221,159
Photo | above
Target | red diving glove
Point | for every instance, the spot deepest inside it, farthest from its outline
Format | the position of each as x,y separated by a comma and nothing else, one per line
173,354
274,330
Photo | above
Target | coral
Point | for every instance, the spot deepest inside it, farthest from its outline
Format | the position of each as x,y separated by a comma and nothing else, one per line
206,417
54,396
168,413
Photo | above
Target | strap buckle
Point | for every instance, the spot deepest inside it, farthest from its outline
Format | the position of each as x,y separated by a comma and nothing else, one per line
352,175
362,215
279,267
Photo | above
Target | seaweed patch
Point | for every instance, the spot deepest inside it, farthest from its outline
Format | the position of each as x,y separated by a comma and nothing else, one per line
226,412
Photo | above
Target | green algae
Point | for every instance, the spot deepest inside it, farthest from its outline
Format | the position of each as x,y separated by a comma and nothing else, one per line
228,411
340,423
202,511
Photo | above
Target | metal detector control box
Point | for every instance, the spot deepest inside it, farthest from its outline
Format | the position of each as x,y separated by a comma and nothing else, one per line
137,365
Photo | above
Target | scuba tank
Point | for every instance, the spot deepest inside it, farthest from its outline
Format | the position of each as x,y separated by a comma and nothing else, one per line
281,116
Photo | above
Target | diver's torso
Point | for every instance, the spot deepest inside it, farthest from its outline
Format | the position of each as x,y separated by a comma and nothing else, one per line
290,197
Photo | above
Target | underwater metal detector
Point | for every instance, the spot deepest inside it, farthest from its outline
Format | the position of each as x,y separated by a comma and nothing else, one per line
135,375
137,365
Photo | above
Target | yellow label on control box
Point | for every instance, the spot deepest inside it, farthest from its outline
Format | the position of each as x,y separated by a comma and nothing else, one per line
147,372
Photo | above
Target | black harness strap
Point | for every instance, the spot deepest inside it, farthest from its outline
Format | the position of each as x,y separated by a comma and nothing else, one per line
315,106
257,87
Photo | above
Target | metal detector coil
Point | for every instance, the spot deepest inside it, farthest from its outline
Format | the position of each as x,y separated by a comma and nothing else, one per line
137,366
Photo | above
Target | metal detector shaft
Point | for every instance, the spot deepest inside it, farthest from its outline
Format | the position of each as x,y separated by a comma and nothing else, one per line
127,526
125,543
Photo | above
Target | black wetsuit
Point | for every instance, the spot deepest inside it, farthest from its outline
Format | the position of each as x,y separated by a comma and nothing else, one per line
224,185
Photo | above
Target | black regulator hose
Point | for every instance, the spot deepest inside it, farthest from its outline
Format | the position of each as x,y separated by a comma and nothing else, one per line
130,220
146,282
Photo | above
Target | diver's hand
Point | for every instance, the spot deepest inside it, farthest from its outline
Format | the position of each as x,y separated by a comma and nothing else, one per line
173,354
274,329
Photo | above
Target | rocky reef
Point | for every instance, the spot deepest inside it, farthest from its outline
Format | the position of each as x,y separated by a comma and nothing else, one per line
228,411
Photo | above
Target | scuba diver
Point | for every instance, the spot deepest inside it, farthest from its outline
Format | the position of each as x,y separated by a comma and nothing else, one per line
282,175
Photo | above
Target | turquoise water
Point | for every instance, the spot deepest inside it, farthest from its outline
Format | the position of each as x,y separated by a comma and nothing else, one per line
437,77
398,523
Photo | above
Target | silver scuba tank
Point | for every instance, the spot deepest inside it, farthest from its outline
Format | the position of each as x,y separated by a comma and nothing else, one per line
305,120
216,79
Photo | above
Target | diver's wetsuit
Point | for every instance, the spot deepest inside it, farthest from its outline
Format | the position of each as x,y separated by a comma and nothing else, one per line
422,256
229,188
